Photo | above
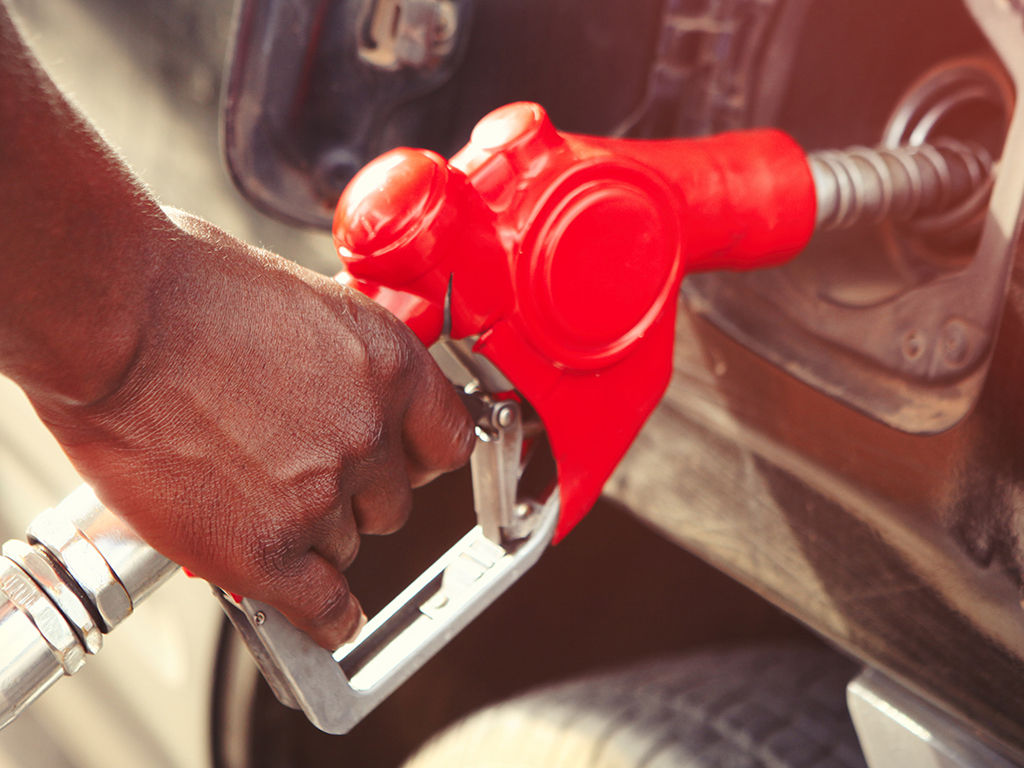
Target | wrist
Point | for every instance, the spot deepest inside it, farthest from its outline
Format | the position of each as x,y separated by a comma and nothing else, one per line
72,329
77,254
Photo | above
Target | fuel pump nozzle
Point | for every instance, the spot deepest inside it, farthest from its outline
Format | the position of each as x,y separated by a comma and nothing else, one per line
543,267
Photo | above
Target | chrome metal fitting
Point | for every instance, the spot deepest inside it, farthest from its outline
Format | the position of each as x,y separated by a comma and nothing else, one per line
50,624
496,467
136,565
72,549
37,564
29,665
505,415
83,573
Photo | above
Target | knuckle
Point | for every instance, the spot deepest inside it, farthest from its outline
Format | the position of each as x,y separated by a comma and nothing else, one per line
391,351
319,491
275,557
369,439
394,357
380,350
357,356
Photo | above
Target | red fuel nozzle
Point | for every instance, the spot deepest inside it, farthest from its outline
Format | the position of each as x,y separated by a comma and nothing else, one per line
566,253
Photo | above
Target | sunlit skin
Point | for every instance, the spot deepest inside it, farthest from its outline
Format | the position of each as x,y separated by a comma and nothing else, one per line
250,418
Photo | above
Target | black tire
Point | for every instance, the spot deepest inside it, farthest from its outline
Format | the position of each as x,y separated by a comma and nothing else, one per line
764,707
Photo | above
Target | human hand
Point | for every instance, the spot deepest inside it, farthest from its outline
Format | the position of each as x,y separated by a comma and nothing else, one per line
267,419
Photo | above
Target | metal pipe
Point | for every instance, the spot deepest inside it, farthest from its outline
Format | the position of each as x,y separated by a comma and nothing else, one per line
83,571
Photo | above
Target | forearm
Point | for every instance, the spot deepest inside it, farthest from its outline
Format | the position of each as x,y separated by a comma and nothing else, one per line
248,417
76,230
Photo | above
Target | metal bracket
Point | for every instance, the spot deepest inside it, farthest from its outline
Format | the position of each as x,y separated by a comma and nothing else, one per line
336,691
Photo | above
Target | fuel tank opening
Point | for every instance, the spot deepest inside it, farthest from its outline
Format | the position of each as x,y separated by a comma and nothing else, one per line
961,102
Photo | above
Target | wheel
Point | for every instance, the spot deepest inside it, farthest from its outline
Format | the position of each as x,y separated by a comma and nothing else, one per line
770,707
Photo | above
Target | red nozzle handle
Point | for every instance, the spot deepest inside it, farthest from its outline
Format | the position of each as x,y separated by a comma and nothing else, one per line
565,254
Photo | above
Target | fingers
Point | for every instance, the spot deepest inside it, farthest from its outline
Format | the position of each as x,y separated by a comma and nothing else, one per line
315,597
437,431
418,474
335,537
384,503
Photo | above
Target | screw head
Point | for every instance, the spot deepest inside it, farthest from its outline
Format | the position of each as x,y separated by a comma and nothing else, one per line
506,416
258,618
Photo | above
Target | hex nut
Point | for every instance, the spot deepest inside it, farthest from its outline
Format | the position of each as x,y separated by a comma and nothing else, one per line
73,550
138,567
37,565
51,624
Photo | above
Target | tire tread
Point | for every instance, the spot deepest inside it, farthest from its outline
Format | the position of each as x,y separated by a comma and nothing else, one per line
765,707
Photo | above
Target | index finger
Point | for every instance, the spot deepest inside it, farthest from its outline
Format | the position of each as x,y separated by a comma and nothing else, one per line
437,431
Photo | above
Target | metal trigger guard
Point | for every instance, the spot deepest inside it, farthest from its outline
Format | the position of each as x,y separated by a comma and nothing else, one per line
336,691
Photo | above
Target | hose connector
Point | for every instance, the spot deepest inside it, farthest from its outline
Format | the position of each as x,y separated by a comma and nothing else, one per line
81,573
929,188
